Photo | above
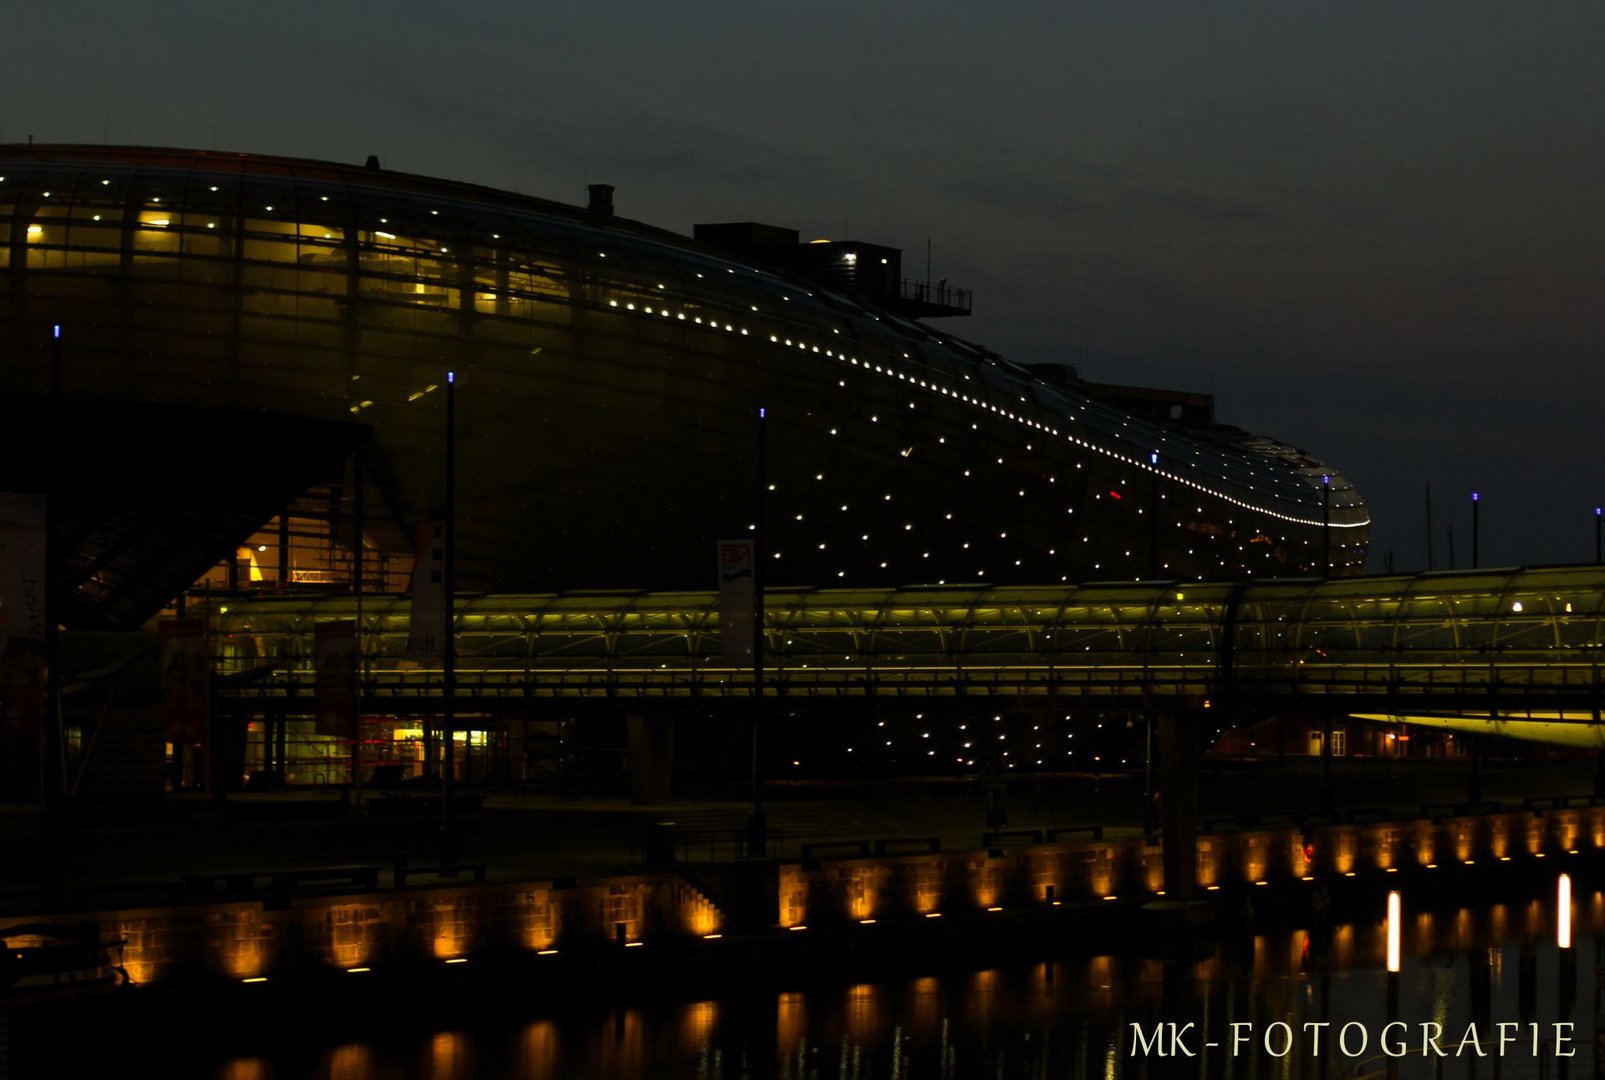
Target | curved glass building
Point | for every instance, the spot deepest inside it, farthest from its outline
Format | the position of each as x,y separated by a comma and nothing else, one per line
609,377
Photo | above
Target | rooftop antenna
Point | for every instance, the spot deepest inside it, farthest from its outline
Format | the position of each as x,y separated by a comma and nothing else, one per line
1429,526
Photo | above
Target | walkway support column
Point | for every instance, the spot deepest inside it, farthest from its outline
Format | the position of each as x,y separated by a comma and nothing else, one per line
1328,799
1180,756
651,746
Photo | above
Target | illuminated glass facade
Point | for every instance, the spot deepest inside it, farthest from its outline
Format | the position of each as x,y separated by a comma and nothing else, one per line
609,376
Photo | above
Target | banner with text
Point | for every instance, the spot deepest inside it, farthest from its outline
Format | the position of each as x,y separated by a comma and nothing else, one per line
22,568
22,611
425,633
736,598
186,678
334,650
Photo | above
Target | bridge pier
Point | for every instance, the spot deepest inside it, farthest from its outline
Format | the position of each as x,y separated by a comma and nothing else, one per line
1328,796
1180,756
1474,784
650,741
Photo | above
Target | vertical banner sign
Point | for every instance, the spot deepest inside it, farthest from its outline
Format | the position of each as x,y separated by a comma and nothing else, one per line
22,568
186,679
424,644
22,610
735,599
334,650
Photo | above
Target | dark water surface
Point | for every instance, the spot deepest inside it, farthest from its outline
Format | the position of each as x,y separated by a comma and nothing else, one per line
1065,1017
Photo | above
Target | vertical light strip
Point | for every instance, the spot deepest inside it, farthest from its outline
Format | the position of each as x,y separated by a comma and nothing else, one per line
1563,912
1393,932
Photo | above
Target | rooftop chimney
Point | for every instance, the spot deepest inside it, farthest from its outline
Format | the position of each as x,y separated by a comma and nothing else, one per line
373,162
601,199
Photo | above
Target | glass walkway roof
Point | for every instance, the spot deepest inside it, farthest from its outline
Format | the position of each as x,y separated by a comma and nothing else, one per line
1489,642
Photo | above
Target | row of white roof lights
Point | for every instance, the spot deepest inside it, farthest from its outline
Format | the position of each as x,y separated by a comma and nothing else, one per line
1151,466
976,401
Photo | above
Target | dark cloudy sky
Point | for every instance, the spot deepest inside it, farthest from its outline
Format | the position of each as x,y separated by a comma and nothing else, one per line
1374,230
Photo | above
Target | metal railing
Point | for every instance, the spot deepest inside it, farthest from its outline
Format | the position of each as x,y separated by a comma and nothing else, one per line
939,293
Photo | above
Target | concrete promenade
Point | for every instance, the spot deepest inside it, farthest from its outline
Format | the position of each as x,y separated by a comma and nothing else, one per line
112,855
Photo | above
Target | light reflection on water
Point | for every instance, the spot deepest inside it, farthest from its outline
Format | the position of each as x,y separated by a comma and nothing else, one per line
1067,1018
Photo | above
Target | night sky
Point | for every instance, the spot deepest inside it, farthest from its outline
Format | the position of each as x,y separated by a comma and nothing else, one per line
1373,230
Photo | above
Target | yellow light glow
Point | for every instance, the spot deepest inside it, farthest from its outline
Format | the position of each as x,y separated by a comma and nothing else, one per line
1393,932
1563,912
547,952
994,909
933,914
458,960
796,927
711,937
255,979
357,970
704,920
866,922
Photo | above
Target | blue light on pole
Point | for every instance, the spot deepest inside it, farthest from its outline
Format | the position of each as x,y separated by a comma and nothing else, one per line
1475,502
451,376
1326,524
1153,514
55,331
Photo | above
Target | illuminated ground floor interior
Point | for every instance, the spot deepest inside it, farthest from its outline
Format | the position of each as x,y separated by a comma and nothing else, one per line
710,754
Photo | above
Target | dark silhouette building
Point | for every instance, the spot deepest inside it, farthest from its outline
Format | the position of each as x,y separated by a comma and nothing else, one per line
238,329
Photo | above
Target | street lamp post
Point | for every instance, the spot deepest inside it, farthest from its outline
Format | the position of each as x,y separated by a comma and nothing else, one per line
448,839
52,760
757,826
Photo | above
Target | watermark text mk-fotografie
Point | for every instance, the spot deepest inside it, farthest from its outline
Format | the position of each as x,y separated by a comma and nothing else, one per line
1354,1040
